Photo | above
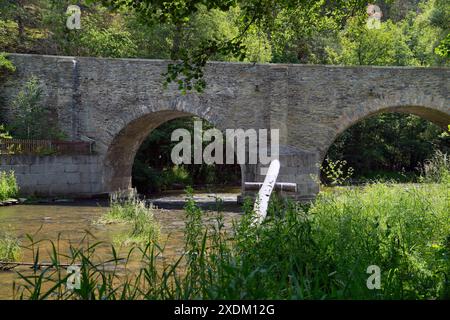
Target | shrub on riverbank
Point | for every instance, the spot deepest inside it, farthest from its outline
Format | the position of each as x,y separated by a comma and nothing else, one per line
6,66
405,230
10,250
320,251
437,169
8,185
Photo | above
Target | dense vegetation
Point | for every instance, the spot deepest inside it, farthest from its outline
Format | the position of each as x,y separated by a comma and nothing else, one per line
8,185
10,250
389,146
153,170
289,31
135,212
320,251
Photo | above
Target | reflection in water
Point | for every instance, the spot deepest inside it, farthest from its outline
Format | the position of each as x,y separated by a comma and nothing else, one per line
71,223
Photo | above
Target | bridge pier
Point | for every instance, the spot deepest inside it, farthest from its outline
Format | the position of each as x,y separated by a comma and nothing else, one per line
297,166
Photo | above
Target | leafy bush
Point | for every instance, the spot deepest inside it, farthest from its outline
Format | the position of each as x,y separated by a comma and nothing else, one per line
111,42
10,250
135,212
5,65
33,119
437,169
177,175
443,49
8,185
336,172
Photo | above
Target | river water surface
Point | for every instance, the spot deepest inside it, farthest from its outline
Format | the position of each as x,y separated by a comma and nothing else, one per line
70,222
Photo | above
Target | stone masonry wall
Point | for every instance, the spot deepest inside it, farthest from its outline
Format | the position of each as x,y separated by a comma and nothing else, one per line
78,176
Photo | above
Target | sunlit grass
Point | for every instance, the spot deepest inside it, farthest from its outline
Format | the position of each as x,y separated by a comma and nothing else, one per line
316,251
8,185
137,214
10,250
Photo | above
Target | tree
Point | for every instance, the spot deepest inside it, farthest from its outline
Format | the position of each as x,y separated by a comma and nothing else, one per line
359,45
389,142
428,30
32,120
17,17
253,14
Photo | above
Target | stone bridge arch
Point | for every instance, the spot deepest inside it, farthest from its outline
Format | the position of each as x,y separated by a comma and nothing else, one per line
430,108
125,142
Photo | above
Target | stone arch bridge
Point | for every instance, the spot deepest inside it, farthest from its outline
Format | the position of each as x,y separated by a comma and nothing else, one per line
118,102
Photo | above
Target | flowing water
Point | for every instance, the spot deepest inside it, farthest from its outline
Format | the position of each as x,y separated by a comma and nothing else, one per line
71,222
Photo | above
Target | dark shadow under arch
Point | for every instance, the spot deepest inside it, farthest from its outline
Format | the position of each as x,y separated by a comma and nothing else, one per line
401,146
439,118
122,151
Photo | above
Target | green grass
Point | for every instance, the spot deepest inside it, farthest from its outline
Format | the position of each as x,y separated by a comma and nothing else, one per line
8,185
318,251
10,250
405,230
135,212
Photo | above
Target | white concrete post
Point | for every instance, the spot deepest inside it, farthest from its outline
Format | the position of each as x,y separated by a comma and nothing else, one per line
262,201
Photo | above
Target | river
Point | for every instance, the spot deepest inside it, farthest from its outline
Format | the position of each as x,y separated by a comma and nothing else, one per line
71,221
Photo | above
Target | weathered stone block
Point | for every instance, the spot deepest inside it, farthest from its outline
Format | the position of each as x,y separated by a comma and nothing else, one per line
37,168
72,178
70,168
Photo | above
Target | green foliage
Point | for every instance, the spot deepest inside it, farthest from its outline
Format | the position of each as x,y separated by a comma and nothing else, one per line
33,120
17,24
102,39
411,40
6,66
8,185
4,134
133,211
335,172
320,251
389,142
10,250
437,168
359,45
428,29
403,230
444,47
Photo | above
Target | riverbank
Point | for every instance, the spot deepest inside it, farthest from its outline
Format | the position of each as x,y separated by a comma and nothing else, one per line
9,202
317,251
